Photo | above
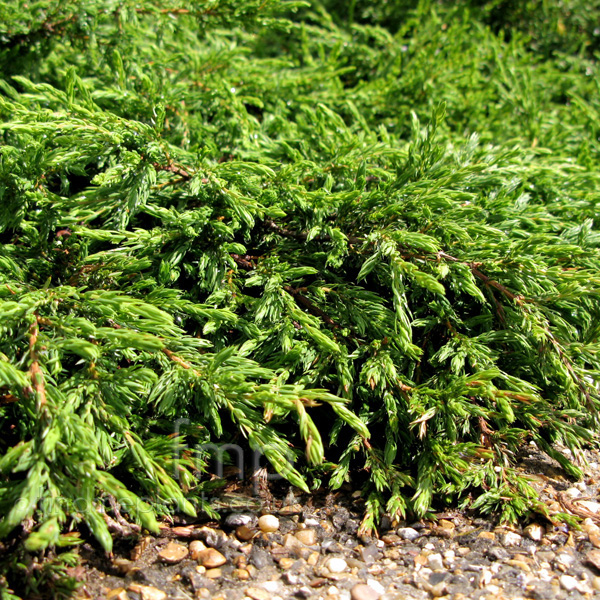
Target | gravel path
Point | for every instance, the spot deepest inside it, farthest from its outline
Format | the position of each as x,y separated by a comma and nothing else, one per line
309,548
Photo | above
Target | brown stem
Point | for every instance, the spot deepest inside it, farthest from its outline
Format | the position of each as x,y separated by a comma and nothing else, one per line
35,373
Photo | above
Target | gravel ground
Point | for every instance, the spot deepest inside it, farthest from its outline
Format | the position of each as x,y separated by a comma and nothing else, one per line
308,547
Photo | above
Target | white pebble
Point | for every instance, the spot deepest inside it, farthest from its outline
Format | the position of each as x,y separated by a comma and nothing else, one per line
512,539
568,583
408,533
435,562
375,585
336,565
268,523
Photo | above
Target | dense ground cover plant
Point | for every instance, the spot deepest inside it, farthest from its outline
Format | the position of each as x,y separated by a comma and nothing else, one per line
362,235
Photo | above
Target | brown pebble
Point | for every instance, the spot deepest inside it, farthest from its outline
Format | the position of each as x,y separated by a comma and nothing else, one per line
313,559
173,553
211,558
593,558
140,548
293,509
487,535
362,591
245,533
117,594
147,592
213,573
257,593
307,536
182,532
196,546
286,562
241,574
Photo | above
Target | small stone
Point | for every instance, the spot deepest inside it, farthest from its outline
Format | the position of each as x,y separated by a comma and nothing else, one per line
593,558
292,509
590,527
408,533
370,554
238,519
286,562
211,558
241,574
245,533
268,523
117,594
290,578
573,493
373,583
336,565
259,558
534,532
435,562
257,593
446,524
594,539
173,553
307,536
214,538
304,592
498,553
213,573
487,535
183,532
312,559
362,591
271,586
589,505
147,592
568,583
596,583
196,546
511,539
565,559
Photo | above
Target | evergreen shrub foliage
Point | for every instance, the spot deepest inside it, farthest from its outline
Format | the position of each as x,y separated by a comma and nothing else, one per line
364,233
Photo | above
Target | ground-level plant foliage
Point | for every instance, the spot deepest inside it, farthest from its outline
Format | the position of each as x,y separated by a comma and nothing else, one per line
358,236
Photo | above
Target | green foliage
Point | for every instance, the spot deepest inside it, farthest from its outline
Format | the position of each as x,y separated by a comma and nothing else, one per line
360,231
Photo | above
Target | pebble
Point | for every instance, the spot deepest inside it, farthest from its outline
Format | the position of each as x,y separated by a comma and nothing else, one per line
238,519
573,493
173,553
435,562
241,574
568,583
565,559
268,523
245,533
147,592
307,536
589,505
336,565
211,558
362,591
534,532
257,593
511,538
196,546
408,533
593,558
213,573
